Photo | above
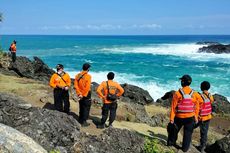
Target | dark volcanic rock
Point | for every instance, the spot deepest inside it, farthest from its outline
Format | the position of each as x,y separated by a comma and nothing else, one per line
217,49
220,146
166,99
221,104
136,94
24,67
111,141
51,129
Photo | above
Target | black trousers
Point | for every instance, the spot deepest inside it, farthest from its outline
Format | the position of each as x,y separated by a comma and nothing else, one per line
188,124
112,108
13,56
204,125
61,97
84,104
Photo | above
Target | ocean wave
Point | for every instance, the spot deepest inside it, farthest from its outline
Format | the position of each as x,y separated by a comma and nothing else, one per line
155,89
189,51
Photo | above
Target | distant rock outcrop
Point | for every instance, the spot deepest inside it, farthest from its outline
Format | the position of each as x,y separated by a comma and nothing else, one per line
215,48
51,129
166,100
12,140
207,43
220,146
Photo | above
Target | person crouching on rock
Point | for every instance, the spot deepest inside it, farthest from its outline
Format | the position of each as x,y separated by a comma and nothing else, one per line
184,112
205,113
82,84
61,82
111,91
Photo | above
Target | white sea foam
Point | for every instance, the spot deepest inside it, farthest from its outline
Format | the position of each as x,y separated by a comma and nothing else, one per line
189,51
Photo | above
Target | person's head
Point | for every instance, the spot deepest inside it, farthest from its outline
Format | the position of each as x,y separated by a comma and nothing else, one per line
110,76
205,85
14,42
59,68
86,66
186,80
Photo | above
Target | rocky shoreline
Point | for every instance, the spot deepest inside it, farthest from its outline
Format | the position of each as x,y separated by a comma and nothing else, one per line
55,130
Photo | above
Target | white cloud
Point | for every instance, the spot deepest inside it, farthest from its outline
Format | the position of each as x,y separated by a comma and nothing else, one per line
102,27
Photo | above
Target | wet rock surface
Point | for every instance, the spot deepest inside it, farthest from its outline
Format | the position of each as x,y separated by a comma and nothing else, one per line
215,48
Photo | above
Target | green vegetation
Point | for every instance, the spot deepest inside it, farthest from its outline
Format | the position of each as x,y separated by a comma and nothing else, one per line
54,151
155,146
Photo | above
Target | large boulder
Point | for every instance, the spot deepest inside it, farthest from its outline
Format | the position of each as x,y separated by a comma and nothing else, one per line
136,95
216,48
51,129
220,146
24,67
112,140
12,140
221,104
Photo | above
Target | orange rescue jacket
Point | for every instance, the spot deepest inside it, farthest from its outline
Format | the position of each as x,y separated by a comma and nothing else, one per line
114,88
82,83
207,117
57,80
13,47
177,97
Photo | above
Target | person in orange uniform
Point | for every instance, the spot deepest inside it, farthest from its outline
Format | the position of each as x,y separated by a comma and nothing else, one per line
205,113
61,82
184,112
13,49
82,84
111,91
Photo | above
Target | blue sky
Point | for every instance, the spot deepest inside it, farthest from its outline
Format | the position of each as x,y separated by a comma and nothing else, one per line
115,17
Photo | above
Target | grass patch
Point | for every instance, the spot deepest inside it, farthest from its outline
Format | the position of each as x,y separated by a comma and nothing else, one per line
155,146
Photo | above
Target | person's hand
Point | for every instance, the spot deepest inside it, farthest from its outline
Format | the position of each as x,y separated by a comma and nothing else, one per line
171,122
80,96
66,88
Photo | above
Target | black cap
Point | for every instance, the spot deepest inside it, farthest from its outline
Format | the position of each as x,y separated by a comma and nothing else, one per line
186,78
59,66
15,41
86,66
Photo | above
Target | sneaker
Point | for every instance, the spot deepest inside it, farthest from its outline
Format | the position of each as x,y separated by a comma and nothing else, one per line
85,124
101,126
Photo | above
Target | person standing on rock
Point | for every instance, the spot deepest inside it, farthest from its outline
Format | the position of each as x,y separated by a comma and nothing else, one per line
184,112
205,113
13,49
111,91
61,82
82,84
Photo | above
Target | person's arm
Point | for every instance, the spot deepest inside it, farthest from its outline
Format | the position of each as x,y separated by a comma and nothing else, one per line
198,101
76,86
121,90
212,99
88,83
68,80
52,83
173,107
99,91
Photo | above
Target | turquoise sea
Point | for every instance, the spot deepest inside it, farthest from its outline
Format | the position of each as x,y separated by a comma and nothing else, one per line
152,62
